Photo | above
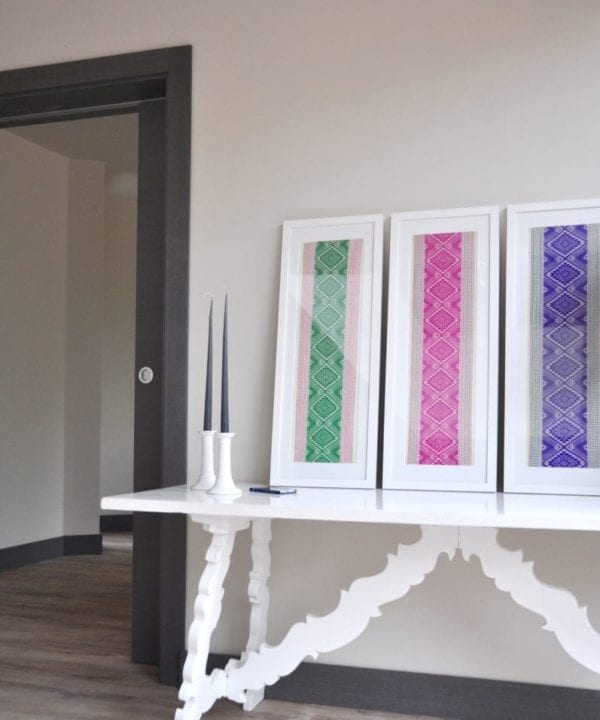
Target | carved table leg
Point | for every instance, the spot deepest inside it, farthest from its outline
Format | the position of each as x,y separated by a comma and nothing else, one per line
258,592
513,575
196,690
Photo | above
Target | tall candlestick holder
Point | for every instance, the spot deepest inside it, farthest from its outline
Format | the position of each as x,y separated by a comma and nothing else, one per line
207,469
225,484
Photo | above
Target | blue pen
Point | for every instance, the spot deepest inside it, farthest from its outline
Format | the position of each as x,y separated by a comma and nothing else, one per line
273,490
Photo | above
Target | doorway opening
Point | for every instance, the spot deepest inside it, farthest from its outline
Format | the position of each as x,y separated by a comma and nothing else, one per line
72,210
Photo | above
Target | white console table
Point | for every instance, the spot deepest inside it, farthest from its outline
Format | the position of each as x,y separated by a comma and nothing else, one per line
467,522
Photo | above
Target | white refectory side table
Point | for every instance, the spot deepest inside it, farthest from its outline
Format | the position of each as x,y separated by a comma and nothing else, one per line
450,522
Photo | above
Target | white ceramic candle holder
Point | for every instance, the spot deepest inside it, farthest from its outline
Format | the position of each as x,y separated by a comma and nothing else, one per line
207,470
225,484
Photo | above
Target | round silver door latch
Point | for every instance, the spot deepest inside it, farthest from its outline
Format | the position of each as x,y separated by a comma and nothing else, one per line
146,375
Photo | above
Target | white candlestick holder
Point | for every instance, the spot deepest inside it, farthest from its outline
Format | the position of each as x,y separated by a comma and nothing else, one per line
207,470
225,484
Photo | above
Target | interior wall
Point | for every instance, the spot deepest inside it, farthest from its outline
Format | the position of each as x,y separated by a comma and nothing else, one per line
333,107
52,216
33,232
83,365
118,345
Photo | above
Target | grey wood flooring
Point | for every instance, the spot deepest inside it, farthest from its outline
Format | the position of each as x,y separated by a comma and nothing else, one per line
64,649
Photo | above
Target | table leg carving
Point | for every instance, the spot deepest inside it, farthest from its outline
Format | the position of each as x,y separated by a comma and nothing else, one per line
357,606
199,692
564,617
258,593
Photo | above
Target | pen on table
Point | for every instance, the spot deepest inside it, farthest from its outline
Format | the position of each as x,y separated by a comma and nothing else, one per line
273,490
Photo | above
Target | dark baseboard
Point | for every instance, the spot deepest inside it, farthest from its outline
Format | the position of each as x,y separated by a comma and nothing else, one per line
116,523
82,544
454,698
19,555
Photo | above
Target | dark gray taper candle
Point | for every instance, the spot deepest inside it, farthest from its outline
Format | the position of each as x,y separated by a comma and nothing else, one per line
209,373
225,378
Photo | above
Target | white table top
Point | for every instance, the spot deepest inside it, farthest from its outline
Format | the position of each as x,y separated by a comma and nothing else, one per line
400,507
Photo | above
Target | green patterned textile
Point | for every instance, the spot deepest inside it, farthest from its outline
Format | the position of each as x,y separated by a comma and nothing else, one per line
323,440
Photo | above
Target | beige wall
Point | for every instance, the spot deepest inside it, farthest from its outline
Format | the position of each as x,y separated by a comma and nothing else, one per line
33,238
329,107
85,266
52,227
118,345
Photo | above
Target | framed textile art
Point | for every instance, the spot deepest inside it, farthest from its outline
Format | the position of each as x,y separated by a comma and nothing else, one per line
552,435
442,351
326,383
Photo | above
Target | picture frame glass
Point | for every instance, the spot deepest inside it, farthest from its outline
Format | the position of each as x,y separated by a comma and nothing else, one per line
326,392
441,406
553,349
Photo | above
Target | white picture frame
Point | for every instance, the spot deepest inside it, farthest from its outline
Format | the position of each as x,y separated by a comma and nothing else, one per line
440,428
550,317
308,380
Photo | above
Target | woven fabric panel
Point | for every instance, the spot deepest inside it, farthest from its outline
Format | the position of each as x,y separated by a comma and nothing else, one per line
325,413
441,405
564,353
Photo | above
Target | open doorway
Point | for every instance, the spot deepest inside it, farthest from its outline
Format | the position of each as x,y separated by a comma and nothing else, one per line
93,165
156,86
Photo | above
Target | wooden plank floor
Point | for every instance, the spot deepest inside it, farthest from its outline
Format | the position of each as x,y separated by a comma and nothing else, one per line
64,649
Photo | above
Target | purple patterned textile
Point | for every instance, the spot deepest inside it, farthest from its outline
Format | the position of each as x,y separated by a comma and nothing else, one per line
564,427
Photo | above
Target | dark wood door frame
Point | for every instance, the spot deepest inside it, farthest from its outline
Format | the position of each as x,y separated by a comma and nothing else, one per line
119,84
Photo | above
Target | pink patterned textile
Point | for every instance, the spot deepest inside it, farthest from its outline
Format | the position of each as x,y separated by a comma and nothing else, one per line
351,353
302,378
441,345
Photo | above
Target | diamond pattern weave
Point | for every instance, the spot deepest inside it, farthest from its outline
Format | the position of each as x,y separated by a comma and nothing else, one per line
561,361
327,352
327,374
440,414
441,336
